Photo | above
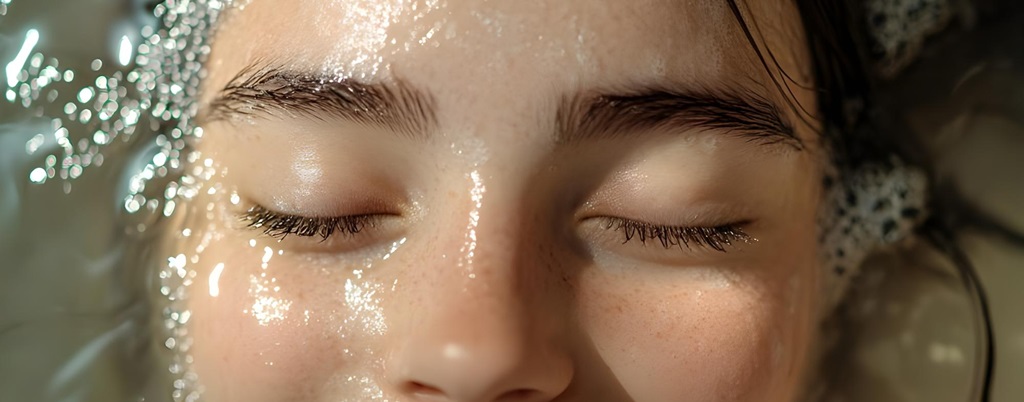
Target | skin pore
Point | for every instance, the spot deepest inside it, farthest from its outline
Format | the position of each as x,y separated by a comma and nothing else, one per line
504,201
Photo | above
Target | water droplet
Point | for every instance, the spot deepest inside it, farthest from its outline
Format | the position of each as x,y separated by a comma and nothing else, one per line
85,95
124,54
100,137
38,175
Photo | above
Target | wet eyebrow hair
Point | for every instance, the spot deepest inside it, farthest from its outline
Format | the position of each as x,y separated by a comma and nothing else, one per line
274,92
742,112
581,117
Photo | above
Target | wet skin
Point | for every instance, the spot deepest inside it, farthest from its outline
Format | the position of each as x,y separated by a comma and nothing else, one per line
548,203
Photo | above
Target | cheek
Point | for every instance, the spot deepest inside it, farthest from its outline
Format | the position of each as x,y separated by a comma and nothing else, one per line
278,330
704,336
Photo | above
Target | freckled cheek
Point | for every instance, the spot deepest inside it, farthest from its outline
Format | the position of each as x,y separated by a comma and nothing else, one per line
703,342
268,334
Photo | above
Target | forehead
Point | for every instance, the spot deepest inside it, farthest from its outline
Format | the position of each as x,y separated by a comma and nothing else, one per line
540,43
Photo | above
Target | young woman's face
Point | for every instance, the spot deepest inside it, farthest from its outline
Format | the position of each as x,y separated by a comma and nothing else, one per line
506,201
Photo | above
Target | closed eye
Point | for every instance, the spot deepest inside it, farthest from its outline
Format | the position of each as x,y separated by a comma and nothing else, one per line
279,225
718,238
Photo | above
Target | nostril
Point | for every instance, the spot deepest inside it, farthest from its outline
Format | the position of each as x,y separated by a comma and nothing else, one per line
517,395
418,388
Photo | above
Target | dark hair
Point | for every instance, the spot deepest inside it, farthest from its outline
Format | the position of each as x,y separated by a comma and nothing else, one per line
856,133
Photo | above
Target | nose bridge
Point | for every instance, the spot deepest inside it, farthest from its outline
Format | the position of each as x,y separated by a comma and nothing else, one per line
496,249
483,336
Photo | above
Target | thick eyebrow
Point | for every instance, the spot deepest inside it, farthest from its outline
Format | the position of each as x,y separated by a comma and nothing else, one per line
608,116
274,92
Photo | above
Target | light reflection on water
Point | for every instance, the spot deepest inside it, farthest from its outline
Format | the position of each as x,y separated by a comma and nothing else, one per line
78,148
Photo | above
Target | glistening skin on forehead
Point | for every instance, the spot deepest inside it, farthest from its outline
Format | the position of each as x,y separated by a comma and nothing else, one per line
265,91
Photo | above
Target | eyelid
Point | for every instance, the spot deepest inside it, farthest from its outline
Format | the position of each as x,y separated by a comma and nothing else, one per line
650,205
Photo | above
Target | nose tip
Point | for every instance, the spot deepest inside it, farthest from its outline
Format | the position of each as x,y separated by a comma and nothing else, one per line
485,367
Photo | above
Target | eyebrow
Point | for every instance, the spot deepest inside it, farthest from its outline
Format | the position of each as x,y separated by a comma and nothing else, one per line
741,112
581,117
275,92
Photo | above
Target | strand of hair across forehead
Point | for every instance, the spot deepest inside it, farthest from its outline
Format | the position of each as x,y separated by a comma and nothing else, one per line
802,113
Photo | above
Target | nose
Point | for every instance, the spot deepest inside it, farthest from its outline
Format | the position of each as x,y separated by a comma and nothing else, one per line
492,335
475,358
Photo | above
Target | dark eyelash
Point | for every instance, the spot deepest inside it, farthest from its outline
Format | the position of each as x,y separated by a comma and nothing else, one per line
279,225
717,238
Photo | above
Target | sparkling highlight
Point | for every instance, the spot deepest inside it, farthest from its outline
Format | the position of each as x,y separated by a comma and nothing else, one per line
15,66
214,281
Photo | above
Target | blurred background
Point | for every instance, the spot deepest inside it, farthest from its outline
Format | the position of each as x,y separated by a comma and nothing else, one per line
76,312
